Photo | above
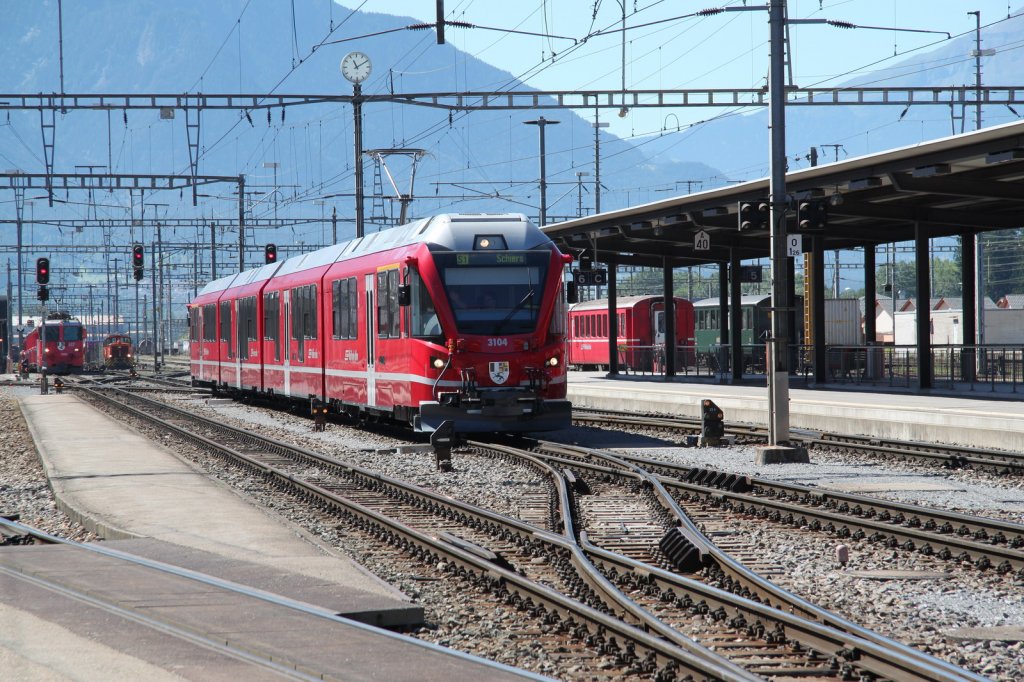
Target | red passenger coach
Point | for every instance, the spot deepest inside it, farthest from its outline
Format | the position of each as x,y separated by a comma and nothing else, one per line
62,347
640,333
455,317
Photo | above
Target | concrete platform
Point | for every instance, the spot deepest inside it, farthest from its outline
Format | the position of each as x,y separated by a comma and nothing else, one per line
121,485
149,502
72,613
983,422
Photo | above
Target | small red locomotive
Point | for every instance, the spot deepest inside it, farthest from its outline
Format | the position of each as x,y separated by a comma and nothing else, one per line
640,334
452,318
61,346
117,352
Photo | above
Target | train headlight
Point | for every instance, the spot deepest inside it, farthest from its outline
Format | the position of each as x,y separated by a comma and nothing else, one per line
46,350
553,362
437,363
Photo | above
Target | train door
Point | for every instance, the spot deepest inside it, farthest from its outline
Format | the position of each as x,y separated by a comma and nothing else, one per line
371,335
286,303
659,327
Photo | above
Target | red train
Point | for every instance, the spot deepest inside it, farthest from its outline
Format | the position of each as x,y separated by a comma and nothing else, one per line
455,317
117,352
62,347
640,332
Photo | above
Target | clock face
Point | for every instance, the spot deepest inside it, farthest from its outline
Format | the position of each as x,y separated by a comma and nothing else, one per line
355,67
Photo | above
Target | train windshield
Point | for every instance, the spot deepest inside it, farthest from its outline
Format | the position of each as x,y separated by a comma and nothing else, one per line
72,332
494,292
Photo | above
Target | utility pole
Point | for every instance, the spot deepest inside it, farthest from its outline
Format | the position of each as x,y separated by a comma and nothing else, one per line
979,243
597,162
156,326
274,165
542,123
334,223
241,223
778,448
579,192
357,115
213,251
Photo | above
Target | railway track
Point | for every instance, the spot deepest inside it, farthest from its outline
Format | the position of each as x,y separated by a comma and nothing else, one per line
933,454
574,587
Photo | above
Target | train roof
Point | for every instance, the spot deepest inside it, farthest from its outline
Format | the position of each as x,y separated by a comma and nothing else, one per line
749,299
620,302
451,232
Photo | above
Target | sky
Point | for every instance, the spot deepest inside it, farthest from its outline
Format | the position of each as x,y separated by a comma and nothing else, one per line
728,50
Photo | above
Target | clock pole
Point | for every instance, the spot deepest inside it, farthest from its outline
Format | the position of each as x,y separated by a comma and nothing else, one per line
357,113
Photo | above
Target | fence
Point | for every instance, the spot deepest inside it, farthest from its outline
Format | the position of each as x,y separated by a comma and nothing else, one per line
959,368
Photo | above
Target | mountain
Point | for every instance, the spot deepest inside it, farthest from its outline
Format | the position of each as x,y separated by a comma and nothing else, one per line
201,46
299,163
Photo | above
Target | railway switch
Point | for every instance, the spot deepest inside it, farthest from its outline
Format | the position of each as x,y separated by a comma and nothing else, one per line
712,425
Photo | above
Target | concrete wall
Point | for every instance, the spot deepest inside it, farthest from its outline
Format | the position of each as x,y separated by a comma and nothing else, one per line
1002,326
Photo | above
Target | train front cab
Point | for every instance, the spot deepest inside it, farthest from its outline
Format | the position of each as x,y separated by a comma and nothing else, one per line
63,347
502,315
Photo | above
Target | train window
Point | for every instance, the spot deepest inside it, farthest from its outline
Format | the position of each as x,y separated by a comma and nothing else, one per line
342,308
557,326
604,326
494,292
225,326
622,325
423,321
272,321
748,318
193,323
210,322
393,328
388,313
309,313
245,325
350,310
303,316
72,332
51,332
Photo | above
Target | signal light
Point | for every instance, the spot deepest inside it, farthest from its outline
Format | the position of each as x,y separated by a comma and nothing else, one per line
811,216
712,426
43,294
754,215
138,260
42,270
270,253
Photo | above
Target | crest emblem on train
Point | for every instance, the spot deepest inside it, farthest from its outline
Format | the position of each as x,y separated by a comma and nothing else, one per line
60,345
498,372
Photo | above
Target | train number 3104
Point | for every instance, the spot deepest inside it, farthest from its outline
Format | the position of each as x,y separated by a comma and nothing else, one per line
497,343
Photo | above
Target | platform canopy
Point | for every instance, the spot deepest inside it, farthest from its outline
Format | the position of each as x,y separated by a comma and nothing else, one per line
959,185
